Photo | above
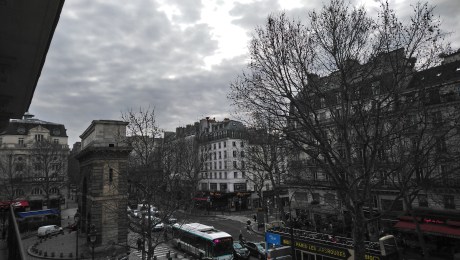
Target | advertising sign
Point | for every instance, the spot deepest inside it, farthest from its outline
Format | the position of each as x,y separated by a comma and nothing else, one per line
273,239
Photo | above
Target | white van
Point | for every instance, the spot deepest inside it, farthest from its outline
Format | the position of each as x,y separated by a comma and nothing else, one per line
49,230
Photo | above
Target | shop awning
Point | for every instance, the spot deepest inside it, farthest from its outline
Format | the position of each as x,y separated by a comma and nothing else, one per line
38,213
20,203
435,229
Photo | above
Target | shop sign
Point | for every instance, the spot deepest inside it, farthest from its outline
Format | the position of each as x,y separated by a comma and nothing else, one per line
335,252
271,238
433,221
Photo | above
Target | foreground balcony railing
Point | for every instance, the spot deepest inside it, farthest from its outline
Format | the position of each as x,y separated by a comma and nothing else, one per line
15,247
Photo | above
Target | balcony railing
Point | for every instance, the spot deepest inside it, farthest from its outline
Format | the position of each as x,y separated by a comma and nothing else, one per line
15,247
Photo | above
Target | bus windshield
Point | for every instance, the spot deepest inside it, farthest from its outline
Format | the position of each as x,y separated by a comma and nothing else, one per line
223,246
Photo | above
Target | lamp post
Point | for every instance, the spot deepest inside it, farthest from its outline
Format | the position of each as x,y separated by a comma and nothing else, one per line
92,239
77,224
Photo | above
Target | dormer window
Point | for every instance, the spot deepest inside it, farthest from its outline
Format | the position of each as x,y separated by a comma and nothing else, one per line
38,137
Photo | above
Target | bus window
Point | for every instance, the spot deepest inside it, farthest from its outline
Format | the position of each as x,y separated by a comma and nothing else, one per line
223,246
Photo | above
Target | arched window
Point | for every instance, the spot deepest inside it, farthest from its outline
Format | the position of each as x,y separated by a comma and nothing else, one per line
54,190
36,191
18,192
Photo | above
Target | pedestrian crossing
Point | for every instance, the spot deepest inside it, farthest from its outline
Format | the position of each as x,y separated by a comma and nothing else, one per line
160,251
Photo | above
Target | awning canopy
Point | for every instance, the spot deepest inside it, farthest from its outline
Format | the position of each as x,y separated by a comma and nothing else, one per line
38,213
20,203
434,229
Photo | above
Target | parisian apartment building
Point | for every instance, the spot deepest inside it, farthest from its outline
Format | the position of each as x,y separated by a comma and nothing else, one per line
436,206
33,163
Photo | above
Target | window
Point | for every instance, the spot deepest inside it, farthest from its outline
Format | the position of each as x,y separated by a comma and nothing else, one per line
242,144
215,165
220,175
234,154
210,165
239,187
215,175
110,175
225,144
18,192
220,154
225,164
242,153
215,158
55,167
1,140
223,187
234,144
54,190
235,165
315,198
329,198
449,202
225,175
235,175
243,175
322,115
220,165
214,147
219,146
36,191
21,141
56,141
19,167
204,186
38,137
422,200
242,165
213,186
225,154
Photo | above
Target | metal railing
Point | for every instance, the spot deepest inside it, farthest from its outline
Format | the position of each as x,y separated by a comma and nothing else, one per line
15,247
323,238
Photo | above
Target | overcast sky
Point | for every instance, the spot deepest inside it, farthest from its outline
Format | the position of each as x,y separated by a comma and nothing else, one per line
178,56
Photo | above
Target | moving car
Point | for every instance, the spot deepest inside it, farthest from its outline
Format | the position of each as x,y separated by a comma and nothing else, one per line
45,231
256,249
239,251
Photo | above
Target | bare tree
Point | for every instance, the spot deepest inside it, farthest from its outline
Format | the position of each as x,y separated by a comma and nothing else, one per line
9,179
334,89
49,160
159,167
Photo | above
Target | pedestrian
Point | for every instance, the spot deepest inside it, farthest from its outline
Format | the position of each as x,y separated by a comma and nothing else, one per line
248,225
240,237
255,218
139,244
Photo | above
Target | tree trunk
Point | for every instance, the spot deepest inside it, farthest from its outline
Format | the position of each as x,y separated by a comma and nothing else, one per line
359,232
418,230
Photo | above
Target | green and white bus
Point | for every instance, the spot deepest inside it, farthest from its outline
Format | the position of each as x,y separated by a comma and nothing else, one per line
205,242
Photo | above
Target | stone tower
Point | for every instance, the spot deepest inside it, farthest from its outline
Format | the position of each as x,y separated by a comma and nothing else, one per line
103,187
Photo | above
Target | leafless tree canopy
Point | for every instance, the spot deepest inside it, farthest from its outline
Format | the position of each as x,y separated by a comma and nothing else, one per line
338,88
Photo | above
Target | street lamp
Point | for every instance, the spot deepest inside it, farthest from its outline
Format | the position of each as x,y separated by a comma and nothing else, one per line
77,222
92,238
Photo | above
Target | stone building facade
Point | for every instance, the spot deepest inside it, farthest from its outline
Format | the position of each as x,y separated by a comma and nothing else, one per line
103,181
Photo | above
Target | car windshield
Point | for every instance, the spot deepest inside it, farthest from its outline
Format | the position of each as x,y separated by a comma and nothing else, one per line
223,246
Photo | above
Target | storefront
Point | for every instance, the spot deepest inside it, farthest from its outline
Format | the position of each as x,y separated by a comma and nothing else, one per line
214,200
441,230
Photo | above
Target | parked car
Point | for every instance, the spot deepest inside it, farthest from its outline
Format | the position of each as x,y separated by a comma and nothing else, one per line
256,249
239,251
45,231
